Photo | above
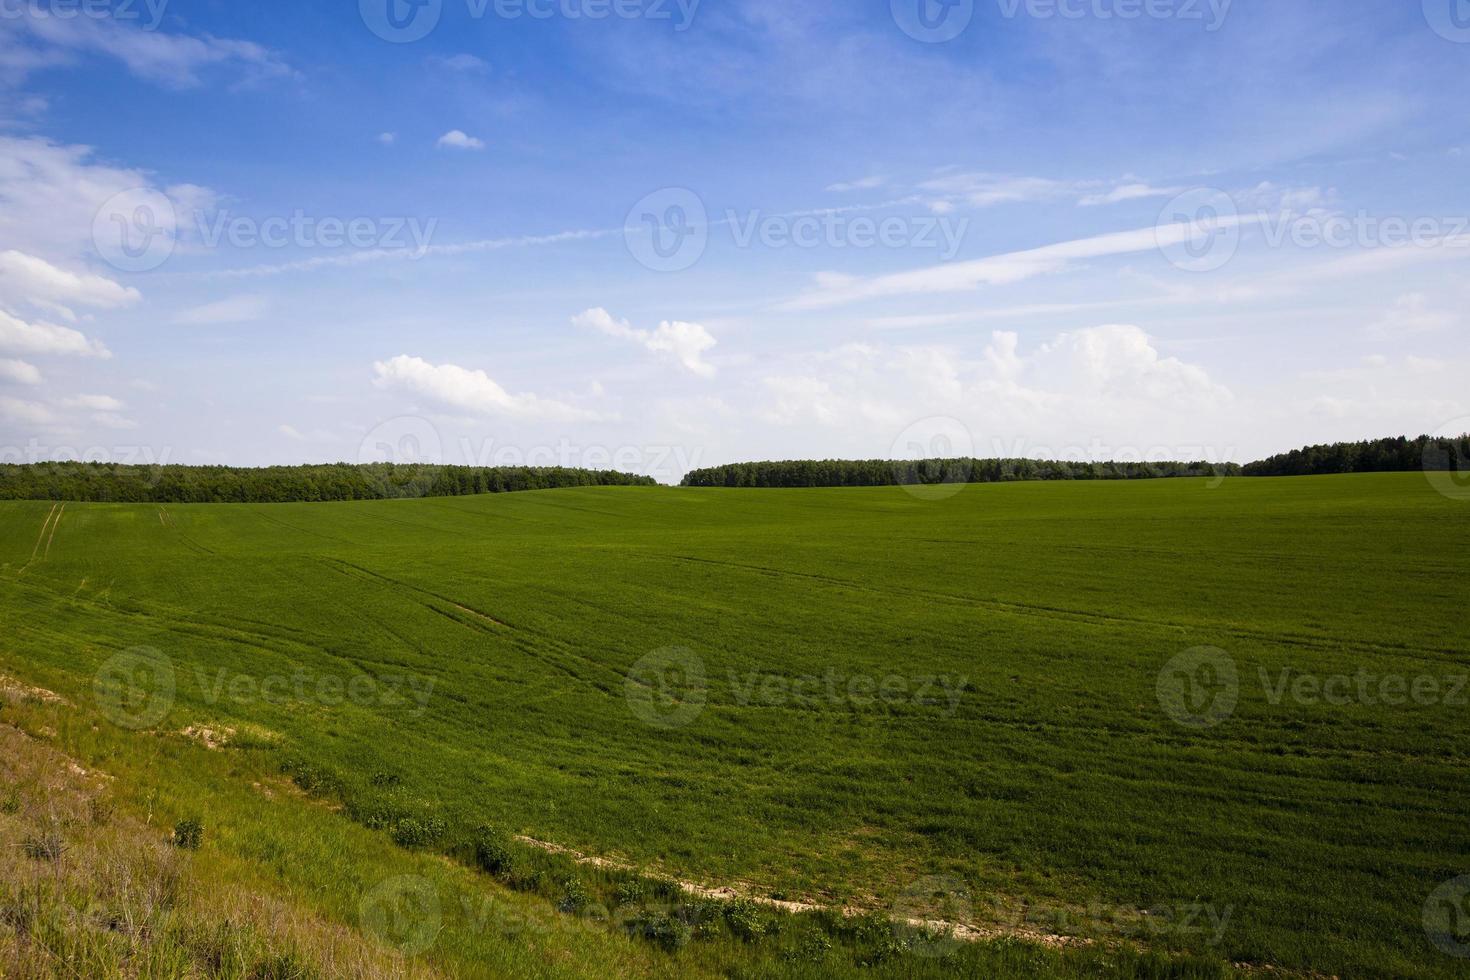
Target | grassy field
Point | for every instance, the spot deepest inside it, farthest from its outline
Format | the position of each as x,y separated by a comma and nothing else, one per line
1225,719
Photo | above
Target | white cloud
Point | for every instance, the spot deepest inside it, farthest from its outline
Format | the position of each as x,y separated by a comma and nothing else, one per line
1100,392
46,338
111,420
986,189
460,140
233,309
35,280
387,139
96,403
861,184
461,62
1411,314
38,39
1011,267
19,373
467,390
1128,192
25,412
685,342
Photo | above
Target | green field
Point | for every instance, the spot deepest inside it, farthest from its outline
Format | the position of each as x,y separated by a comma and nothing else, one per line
874,689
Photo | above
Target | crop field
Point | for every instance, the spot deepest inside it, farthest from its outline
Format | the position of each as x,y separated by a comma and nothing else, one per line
1216,717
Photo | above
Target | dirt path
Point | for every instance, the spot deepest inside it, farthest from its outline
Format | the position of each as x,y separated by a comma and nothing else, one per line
40,537
955,930
54,526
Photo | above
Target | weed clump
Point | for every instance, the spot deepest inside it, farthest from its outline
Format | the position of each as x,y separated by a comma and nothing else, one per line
47,846
745,920
668,932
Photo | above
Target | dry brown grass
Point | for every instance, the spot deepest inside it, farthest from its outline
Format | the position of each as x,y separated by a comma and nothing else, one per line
86,891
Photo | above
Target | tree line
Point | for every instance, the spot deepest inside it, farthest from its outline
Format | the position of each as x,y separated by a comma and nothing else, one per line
887,473
115,483
1370,456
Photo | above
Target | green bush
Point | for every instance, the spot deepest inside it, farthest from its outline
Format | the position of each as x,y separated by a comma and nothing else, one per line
412,832
188,834
745,919
665,931
573,895
493,852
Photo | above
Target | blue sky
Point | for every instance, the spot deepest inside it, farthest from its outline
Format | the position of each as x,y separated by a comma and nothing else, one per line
1105,228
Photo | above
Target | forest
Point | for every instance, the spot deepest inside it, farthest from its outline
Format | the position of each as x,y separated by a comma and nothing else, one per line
883,473
1395,455
105,482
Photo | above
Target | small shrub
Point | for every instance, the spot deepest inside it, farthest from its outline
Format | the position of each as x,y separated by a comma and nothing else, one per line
188,834
47,846
633,891
11,803
386,779
811,948
493,852
745,920
573,895
412,832
667,932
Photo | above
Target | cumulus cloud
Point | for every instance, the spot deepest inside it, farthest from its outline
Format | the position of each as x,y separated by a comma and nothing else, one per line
684,342
458,139
34,279
469,390
18,373
24,412
1095,392
18,336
